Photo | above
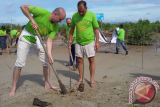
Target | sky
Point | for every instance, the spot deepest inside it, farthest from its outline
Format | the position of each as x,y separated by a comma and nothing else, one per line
113,10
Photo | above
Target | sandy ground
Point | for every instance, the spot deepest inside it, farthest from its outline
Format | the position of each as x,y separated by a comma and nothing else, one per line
114,74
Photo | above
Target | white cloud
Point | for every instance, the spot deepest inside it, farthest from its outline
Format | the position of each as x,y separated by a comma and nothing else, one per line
124,13
10,4
10,11
148,13
91,1
99,0
114,10
22,20
132,1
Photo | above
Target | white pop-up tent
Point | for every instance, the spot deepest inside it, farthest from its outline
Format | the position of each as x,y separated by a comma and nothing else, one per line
113,40
114,36
103,39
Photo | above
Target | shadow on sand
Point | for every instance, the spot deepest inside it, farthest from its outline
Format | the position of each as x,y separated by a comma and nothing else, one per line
74,74
36,78
61,62
136,75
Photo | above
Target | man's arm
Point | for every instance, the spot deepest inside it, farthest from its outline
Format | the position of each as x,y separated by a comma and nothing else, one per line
11,41
71,38
97,38
49,49
2,35
25,10
18,30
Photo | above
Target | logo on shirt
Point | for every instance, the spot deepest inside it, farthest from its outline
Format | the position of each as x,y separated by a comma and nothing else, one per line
81,25
43,30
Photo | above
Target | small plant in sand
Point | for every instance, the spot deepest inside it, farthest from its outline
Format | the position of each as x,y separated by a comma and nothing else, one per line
132,105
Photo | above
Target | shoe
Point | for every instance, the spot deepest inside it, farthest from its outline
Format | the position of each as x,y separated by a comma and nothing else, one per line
126,52
116,53
37,102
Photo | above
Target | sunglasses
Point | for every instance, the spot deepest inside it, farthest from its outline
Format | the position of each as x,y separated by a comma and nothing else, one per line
68,23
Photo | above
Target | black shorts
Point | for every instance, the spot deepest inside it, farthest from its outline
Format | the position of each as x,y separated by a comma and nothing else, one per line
17,40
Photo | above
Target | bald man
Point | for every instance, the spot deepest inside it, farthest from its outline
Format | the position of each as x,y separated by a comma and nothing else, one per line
67,28
47,24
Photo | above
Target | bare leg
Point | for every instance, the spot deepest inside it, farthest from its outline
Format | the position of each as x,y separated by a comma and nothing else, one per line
46,72
3,50
16,75
92,70
80,68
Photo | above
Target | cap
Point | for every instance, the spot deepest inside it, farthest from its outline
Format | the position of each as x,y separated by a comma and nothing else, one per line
3,27
121,25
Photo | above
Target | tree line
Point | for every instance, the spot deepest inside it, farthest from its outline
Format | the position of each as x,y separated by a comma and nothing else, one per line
141,32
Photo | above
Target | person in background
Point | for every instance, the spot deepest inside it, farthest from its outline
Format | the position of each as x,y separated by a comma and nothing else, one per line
3,44
120,39
66,31
14,33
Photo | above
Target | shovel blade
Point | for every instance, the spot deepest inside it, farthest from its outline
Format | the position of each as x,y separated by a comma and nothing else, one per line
81,87
63,88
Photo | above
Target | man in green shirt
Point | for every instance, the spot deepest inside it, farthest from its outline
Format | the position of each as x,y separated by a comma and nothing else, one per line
3,39
120,39
86,25
66,30
14,33
47,24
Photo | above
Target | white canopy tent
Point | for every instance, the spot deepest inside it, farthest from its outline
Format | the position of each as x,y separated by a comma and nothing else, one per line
113,40
103,39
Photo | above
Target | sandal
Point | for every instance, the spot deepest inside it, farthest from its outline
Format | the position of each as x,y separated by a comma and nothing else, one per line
77,83
92,84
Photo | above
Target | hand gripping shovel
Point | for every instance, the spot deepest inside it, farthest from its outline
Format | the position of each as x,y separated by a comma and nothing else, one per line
74,69
81,86
63,88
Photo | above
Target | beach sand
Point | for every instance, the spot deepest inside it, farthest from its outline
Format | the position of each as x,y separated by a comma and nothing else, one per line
113,76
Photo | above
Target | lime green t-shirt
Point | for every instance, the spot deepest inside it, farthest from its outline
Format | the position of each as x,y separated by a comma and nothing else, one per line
84,27
121,34
45,27
67,28
2,32
14,33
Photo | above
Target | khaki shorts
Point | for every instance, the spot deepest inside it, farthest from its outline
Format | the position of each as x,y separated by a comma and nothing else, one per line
89,50
22,52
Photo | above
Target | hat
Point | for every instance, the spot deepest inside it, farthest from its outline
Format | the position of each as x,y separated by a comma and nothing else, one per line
3,27
8,30
121,25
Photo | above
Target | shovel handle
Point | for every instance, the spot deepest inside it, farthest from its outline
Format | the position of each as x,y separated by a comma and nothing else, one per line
83,68
71,58
46,53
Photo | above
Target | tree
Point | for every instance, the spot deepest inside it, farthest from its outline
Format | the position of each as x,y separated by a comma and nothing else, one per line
141,33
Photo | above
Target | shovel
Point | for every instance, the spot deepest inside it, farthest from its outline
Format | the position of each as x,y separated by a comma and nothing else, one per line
74,69
63,88
81,85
